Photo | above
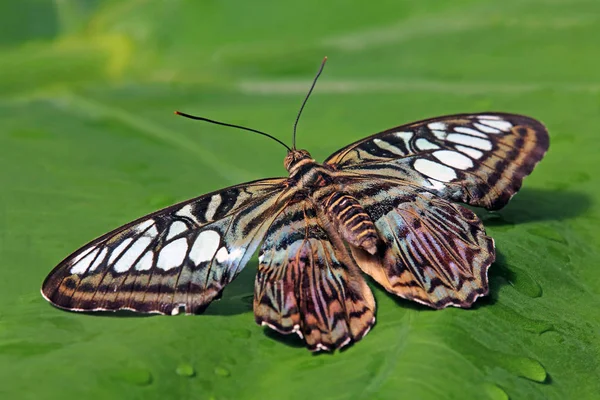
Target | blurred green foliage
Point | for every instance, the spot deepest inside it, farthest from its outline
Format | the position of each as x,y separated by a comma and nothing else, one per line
88,142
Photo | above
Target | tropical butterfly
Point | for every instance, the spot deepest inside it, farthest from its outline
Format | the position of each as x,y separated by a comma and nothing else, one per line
383,206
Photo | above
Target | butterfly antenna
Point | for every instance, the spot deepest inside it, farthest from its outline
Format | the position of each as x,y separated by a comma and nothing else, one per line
233,126
306,99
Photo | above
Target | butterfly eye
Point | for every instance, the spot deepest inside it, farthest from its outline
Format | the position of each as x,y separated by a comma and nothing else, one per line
288,160
294,157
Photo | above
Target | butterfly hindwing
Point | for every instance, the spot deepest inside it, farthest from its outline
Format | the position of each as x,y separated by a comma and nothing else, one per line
478,159
181,256
431,250
308,284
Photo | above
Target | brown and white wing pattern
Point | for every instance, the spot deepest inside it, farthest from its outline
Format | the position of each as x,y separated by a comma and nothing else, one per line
307,283
179,257
431,251
478,159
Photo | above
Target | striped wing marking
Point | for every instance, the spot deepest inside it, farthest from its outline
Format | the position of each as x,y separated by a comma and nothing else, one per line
307,283
431,251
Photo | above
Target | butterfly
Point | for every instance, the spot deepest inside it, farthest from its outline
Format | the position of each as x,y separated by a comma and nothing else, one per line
385,206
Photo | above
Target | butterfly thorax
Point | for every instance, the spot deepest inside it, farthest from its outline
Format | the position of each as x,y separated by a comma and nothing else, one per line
341,211
305,173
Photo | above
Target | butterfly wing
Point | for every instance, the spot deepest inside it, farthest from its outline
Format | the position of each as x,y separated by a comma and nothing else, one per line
432,251
181,256
478,159
308,284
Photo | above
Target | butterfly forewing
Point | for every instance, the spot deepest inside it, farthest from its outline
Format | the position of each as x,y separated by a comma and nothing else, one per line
181,256
479,159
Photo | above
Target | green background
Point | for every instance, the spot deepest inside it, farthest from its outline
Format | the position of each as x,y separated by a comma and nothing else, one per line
88,142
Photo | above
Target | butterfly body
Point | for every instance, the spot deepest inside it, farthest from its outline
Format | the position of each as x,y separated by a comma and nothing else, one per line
324,187
384,206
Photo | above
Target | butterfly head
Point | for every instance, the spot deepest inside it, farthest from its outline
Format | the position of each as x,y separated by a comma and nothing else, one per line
294,158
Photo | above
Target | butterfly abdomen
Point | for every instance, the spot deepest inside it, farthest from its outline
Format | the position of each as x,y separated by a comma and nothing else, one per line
352,222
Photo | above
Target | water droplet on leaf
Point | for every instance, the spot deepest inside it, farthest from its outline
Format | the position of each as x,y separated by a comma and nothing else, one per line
559,253
23,348
185,369
135,376
547,232
220,371
552,335
537,326
494,392
241,333
523,366
524,283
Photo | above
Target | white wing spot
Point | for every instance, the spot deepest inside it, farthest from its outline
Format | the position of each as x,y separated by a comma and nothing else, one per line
454,159
382,144
119,249
141,227
265,323
152,232
172,255
439,134
434,170
82,265
261,258
470,141
476,154
205,246
145,262
236,253
322,347
437,185
469,131
99,259
488,117
437,126
222,255
296,329
499,124
132,254
176,228
485,128
83,254
178,308
406,136
215,201
424,144
186,211
368,329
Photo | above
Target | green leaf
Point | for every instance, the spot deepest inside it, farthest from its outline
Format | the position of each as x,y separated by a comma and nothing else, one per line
88,142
